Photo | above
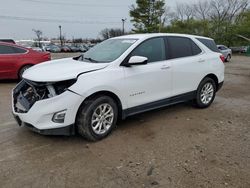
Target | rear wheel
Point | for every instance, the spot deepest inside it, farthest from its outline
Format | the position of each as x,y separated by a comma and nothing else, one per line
205,93
96,118
22,70
228,58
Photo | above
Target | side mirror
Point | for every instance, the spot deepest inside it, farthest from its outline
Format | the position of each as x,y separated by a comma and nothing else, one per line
138,60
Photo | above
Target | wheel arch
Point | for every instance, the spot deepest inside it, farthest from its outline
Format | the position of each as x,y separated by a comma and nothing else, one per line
106,93
20,68
214,78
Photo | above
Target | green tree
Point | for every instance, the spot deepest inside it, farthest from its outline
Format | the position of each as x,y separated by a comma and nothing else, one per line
147,15
243,26
243,29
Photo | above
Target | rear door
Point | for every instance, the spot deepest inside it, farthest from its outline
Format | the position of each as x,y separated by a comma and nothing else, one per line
188,64
150,82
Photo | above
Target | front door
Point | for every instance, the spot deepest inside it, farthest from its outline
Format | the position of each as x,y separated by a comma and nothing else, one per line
150,82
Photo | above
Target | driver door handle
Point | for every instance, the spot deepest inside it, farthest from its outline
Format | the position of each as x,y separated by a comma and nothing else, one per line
165,67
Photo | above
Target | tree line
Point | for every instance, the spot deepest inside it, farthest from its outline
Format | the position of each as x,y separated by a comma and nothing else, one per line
222,20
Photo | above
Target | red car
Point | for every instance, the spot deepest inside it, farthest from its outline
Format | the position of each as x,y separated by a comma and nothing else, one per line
15,59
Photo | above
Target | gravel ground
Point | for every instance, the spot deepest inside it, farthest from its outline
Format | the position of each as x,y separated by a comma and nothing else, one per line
178,146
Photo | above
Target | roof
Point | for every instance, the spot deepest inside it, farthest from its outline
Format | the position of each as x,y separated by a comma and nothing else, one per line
149,35
13,45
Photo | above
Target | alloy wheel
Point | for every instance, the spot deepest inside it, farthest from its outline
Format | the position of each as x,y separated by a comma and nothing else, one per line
207,93
102,118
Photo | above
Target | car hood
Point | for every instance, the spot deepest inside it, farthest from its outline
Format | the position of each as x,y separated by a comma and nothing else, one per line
60,70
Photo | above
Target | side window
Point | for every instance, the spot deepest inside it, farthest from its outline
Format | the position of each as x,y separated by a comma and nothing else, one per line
6,49
19,50
11,50
223,48
153,49
180,47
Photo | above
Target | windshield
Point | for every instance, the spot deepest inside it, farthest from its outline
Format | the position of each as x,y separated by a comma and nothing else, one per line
108,51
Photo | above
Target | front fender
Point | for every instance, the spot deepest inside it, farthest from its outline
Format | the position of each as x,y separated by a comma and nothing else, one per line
103,80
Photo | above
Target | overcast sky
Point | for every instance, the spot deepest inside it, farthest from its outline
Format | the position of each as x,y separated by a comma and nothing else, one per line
79,18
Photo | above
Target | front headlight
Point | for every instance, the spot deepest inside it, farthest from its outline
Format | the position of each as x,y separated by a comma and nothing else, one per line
62,86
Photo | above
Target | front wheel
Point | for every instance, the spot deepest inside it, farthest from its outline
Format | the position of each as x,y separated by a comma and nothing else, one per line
205,93
96,118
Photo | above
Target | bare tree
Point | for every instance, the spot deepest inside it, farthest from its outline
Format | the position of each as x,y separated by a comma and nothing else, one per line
105,34
167,17
109,33
184,11
38,34
223,14
201,9
227,10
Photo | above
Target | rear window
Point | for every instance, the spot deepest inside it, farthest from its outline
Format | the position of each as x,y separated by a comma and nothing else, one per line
182,47
209,43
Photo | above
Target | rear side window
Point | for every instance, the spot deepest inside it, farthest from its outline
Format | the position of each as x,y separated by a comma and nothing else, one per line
153,49
182,47
196,50
19,50
11,50
209,43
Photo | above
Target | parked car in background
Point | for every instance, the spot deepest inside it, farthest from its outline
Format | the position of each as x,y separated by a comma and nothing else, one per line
65,48
74,48
8,41
239,49
54,48
117,78
15,59
227,52
37,49
83,48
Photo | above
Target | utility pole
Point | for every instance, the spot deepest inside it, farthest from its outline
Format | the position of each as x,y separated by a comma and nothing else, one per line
153,12
123,24
60,29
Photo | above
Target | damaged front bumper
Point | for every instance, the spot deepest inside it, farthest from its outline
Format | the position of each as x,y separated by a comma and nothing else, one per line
34,105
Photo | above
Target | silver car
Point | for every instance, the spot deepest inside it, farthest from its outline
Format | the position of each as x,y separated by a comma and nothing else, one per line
227,52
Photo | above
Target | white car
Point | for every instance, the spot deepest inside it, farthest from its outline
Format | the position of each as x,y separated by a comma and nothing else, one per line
117,78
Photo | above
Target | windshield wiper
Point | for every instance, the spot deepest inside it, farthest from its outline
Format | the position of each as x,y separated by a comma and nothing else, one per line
90,59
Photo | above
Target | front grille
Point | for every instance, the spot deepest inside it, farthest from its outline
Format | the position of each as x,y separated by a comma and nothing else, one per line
27,92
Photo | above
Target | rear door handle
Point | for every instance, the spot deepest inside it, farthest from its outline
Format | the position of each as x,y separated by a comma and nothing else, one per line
201,60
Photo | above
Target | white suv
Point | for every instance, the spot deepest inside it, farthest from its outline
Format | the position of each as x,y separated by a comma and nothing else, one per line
115,79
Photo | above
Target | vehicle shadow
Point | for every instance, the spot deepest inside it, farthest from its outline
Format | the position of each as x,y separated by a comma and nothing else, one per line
9,81
123,125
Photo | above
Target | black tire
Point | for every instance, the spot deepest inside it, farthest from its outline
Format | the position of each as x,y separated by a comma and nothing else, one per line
199,100
228,58
85,117
21,71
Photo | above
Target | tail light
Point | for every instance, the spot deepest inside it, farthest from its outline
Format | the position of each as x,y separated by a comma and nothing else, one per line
222,58
47,56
